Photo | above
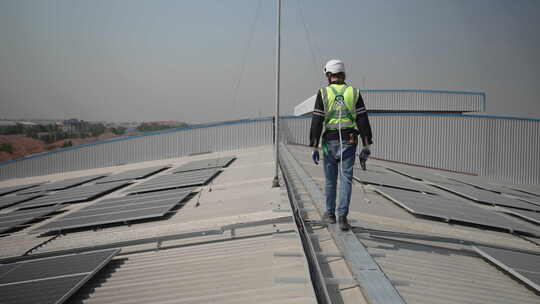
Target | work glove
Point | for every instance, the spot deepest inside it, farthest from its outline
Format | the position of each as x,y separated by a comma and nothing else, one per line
363,156
315,156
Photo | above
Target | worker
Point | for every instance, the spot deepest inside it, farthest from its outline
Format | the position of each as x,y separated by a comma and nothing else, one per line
340,110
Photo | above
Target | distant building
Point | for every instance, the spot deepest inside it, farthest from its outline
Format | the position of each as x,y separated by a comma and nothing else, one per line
7,123
27,123
166,123
73,125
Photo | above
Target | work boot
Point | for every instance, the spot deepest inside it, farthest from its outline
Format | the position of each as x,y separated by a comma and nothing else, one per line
329,218
343,223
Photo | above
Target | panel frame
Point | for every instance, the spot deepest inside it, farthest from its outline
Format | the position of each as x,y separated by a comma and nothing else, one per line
506,268
482,201
63,198
46,187
511,226
44,212
80,283
173,184
422,187
14,189
22,200
220,164
166,208
521,215
115,177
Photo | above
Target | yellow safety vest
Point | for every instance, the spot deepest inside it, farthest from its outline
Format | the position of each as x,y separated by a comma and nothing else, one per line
339,102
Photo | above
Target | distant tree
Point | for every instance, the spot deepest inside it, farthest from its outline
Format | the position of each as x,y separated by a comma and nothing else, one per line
119,130
149,127
48,138
67,143
6,148
32,134
96,129
12,130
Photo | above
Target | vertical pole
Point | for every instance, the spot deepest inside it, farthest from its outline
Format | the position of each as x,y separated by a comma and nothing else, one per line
275,182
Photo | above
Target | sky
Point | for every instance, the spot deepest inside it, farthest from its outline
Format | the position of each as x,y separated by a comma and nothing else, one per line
199,61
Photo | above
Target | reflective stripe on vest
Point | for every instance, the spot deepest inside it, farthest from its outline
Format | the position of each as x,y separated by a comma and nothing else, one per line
338,97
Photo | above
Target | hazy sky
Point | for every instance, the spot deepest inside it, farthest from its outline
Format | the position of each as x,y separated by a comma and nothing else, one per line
130,60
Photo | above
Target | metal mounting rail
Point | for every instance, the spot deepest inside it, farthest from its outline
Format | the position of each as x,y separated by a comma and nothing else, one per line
373,282
317,278
149,240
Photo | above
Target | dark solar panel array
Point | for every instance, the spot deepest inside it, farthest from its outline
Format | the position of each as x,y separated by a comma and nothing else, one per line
420,174
532,200
62,184
488,197
49,280
527,190
205,164
13,220
10,200
73,195
132,174
530,216
121,209
176,180
525,266
494,188
390,180
12,189
453,210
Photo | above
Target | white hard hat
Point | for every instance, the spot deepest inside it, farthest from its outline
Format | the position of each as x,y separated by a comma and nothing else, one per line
334,66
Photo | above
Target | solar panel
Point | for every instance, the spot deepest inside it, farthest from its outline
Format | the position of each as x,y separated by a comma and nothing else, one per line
6,268
132,174
74,195
62,184
12,189
525,266
121,209
48,291
488,197
205,164
422,175
15,219
10,200
527,189
453,210
530,216
391,180
532,200
176,180
50,280
494,188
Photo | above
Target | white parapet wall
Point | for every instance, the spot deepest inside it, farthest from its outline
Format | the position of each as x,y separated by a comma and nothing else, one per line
499,148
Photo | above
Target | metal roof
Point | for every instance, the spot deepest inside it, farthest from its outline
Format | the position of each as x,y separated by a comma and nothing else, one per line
235,241
219,247
429,261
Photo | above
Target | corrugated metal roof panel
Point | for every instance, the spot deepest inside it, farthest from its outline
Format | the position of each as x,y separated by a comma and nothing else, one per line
229,271
429,261
224,266
429,274
19,243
